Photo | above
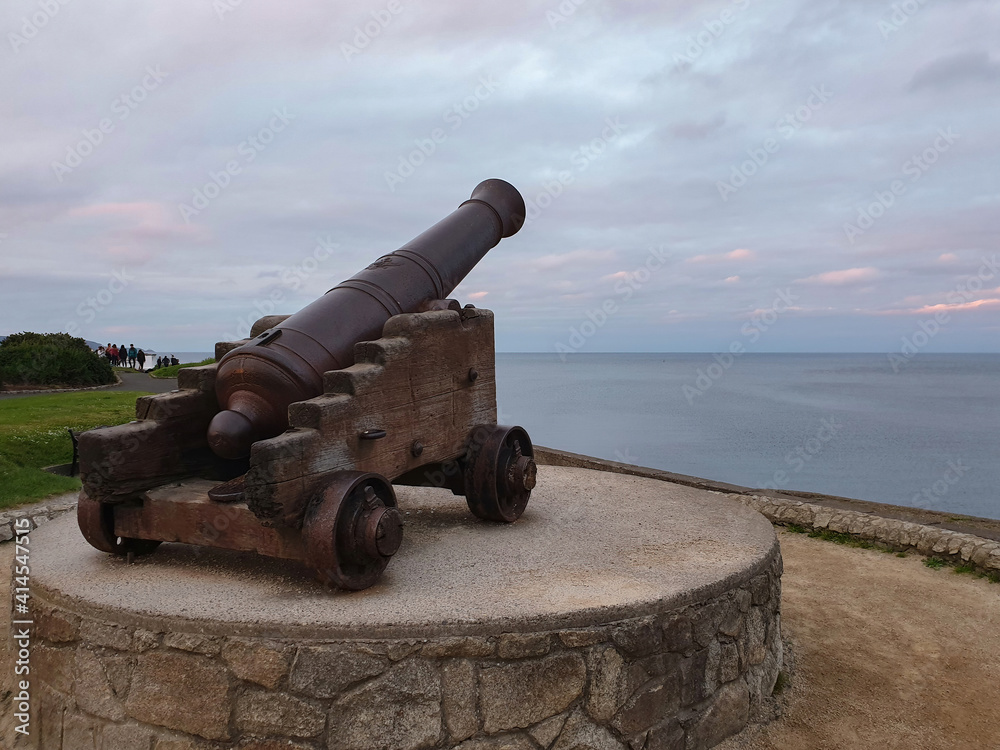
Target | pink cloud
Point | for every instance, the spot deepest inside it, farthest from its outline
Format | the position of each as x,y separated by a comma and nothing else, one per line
979,304
947,258
842,278
477,295
738,254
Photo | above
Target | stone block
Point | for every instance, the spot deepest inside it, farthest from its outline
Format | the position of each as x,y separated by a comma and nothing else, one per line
514,741
754,636
579,638
579,733
118,668
193,642
181,691
97,633
54,666
638,639
515,696
270,713
523,645
729,663
144,640
667,736
6,533
254,661
79,732
607,682
677,634
726,714
458,683
127,737
401,707
92,689
651,705
545,733
692,670
326,671
257,744
469,647
56,626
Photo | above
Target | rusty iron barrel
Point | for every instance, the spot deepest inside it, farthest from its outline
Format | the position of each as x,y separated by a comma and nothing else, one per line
257,381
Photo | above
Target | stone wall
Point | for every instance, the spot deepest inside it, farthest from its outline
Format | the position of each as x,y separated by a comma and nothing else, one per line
680,679
37,513
983,554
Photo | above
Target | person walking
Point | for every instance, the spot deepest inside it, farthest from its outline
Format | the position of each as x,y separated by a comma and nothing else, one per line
131,355
140,357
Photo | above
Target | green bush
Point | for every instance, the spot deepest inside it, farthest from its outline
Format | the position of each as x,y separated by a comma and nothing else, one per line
51,359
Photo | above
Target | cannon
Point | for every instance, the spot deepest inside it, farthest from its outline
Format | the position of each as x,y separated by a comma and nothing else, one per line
291,444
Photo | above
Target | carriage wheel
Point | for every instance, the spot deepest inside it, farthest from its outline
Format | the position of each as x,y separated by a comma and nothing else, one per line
352,530
97,522
500,472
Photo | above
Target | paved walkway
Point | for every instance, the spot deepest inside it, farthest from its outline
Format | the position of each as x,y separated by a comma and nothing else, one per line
131,381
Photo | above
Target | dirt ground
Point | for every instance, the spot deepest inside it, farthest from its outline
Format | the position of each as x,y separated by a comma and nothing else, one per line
888,654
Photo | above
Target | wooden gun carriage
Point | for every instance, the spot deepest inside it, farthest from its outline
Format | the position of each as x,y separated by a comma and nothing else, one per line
417,406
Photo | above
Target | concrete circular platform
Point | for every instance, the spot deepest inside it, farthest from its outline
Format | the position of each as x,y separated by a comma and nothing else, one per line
619,611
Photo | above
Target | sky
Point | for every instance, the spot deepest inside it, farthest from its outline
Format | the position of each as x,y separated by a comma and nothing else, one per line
804,175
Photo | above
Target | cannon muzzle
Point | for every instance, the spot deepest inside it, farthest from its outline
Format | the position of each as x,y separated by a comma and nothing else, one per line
257,382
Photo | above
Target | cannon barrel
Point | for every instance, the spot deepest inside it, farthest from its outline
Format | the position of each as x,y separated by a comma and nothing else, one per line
256,382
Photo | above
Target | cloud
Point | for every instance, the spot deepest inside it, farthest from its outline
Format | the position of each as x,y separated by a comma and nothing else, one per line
738,254
954,70
842,278
948,258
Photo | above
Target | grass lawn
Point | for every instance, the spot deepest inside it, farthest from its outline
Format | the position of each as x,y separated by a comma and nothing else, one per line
33,434
171,372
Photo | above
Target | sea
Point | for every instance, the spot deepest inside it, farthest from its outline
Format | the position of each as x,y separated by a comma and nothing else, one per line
925,434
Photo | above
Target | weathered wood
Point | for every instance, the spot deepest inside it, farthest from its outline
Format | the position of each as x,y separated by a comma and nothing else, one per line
183,512
168,441
414,383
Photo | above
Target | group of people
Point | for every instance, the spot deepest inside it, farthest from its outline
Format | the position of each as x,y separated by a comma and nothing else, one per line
122,356
166,362
129,356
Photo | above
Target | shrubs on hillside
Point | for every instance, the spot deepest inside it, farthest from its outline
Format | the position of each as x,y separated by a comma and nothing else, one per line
50,359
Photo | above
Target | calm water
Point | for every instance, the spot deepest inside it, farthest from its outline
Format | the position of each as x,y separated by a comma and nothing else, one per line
832,423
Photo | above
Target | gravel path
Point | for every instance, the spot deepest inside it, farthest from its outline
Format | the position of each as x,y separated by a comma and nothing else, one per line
131,381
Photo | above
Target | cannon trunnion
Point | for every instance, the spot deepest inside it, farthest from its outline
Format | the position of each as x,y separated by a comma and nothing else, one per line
206,464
